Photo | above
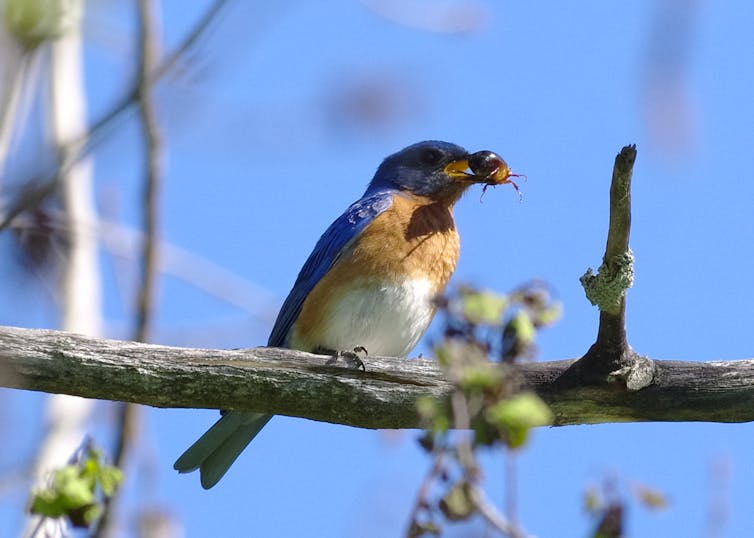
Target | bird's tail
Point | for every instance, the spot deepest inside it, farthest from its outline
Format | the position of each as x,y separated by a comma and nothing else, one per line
215,451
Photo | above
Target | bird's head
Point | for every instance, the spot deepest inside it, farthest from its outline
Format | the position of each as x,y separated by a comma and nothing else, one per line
439,170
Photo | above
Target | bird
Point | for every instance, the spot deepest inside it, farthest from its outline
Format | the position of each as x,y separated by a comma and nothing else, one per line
371,280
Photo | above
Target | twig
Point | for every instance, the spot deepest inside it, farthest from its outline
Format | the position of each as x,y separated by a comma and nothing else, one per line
128,416
611,357
493,516
467,459
612,328
462,423
620,205
422,503
511,484
718,487
152,172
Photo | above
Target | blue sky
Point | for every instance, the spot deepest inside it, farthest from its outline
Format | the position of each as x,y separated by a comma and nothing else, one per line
261,158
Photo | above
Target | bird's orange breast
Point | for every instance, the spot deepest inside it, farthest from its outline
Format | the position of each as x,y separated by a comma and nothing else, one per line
415,239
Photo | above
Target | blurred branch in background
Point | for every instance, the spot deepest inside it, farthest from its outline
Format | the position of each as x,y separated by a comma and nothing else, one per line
149,30
718,509
127,422
670,113
455,17
37,191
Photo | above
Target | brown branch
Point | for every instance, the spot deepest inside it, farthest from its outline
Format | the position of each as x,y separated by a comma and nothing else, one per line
128,413
293,383
152,172
611,354
612,328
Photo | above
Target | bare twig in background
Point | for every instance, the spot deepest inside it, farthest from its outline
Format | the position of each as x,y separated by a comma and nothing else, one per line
467,457
152,170
442,17
493,516
718,508
128,413
95,134
668,107
421,505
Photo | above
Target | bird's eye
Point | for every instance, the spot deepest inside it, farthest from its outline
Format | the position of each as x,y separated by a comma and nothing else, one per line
431,156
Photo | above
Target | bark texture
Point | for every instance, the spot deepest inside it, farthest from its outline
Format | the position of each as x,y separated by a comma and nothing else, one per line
293,383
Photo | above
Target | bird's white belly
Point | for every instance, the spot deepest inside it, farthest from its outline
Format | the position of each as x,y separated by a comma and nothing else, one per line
387,320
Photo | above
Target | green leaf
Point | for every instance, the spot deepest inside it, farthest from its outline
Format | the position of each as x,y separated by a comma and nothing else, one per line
650,498
91,513
549,315
445,355
517,415
110,478
441,423
75,489
521,327
31,22
593,502
418,529
457,503
69,491
72,492
483,307
46,503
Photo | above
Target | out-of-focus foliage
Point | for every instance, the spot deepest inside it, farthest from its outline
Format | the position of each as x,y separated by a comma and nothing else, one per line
608,504
76,490
485,335
32,22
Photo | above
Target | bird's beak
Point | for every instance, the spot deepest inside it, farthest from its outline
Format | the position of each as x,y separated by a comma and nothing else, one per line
459,170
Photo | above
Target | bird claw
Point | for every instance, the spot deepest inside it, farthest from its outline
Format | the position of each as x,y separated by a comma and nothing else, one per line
351,358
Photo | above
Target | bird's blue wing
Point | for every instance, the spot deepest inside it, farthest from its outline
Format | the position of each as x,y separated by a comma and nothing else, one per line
340,233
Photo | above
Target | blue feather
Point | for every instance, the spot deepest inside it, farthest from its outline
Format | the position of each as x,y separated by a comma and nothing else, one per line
336,238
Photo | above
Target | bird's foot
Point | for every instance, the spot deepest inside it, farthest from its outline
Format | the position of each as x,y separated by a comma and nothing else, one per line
350,357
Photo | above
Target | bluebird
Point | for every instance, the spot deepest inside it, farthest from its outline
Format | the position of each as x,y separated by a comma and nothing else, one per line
371,279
